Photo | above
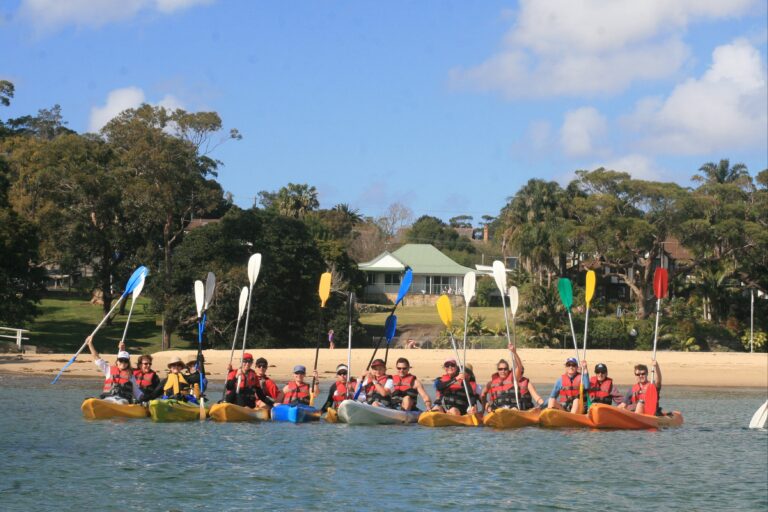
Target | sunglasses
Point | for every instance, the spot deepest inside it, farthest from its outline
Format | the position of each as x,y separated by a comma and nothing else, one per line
502,369
261,365
571,365
248,361
402,368
299,373
640,374
123,360
450,366
342,372
146,363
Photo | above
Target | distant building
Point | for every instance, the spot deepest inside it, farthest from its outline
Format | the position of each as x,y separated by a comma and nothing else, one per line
434,274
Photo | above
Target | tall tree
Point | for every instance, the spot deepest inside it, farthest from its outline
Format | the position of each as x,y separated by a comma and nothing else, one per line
721,173
294,200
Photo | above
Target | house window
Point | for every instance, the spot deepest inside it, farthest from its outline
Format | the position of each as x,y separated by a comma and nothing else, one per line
371,278
391,278
512,262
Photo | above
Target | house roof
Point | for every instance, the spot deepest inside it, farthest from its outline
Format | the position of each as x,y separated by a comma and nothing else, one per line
422,258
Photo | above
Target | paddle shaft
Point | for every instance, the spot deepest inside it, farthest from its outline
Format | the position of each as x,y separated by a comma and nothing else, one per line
367,368
514,367
584,345
466,321
200,329
350,305
655,339
128,321
314,379
231,357
461,369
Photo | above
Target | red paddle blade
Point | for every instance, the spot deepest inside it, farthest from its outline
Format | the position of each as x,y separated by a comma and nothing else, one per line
660,282
651,399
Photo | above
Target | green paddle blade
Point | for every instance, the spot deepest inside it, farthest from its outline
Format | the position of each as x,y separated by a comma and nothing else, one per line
566,292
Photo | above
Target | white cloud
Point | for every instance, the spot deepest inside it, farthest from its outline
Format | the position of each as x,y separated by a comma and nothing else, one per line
581,130
123,99
47,14
726,108
565,47
639,166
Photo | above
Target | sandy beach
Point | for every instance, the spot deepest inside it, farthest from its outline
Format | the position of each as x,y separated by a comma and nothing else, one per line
542,366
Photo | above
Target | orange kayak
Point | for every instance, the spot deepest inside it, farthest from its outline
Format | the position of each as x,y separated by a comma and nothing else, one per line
608,416
230,412
558,418
97,409
442,419
512,418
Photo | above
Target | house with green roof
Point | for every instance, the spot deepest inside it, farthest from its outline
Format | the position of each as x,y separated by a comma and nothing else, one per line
434,274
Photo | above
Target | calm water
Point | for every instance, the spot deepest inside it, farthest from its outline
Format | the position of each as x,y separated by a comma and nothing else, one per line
53,459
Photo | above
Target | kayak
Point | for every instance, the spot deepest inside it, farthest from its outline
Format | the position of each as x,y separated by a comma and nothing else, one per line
608,416
295,413
331,416
512,418
173,410
359,413
559,418
231,412
98,409
442,419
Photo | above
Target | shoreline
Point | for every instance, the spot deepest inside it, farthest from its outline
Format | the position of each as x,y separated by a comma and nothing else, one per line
542,366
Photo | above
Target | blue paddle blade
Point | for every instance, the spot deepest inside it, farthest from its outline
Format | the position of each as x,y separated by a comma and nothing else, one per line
405,285
135,278
390,326
62,370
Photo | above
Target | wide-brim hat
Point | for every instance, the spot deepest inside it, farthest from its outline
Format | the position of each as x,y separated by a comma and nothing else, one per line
175,360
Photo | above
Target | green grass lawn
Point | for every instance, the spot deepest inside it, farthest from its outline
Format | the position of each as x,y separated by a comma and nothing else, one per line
65,320
427,315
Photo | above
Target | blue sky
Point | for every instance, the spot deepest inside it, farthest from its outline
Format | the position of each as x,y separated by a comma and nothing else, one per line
448,107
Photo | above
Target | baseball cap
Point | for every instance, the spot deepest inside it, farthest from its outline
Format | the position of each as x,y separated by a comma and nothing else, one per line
299,368
247,357
377,362
123,355
601,368
450,361
572,360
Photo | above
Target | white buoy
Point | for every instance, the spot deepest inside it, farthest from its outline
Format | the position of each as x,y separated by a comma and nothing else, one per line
760,418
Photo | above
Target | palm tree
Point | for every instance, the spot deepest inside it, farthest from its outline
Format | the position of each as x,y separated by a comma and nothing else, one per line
722,173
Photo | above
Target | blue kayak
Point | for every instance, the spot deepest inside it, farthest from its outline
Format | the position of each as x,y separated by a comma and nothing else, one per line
295,413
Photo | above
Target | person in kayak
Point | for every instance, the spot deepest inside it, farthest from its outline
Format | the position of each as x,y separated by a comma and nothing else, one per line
602,390
565,393
146,378
242,384
500,391
634,400
451,395
268,386
119,383
407,388
195,366
341,390
296,392
175,386
377,385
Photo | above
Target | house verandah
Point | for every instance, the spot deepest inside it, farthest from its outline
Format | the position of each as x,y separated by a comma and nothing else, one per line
434,274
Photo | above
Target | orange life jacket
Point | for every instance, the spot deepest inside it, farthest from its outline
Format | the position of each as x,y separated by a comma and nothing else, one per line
371,395
638,392
454,395
297,393
404,386
248,384
600,392
569,389
340,393
116,378
144,380
501,392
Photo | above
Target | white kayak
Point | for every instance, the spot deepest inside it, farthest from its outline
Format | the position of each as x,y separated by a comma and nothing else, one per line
359,413
760,418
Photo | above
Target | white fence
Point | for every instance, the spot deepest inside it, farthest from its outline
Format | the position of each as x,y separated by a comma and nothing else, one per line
18,335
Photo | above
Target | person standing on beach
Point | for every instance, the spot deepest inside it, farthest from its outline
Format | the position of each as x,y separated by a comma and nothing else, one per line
119,383
330,340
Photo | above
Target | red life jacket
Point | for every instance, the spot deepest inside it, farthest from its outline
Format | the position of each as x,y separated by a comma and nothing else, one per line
601,392
144,380
250,382
340,393
116,378
453,388
638,392
371,395
570,388
269,387
502,391
404,386
297,392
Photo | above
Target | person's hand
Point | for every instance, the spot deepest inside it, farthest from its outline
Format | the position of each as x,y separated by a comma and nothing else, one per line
240,372
89,340
472,410
460,377
654,363
584,364
315,375
121,346
512,348
229,367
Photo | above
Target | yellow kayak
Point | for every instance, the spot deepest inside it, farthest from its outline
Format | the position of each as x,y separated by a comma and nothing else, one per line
331,416
442,419
512,418
173,410
231,412
97,409
558,418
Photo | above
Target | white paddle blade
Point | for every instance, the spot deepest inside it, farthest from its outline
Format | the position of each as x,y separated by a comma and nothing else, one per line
243,301
500,276
254,265
210,286
137,290
514,299
470,280
199,296
760,418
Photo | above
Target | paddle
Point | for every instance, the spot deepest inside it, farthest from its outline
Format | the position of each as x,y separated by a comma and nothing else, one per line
760,418
514,302
390,326
254,265
589,293
350,307
240,310
324,291
651,399
470,281
445,311
660,287
134,296
131,285
203,297
565,289
500,277
405,286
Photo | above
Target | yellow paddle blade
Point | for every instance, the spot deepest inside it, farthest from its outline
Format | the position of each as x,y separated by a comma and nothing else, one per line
325,288
445,310
590,286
